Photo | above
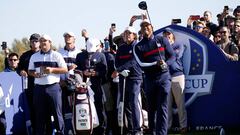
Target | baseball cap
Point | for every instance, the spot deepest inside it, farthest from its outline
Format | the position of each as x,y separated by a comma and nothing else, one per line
168,30
92,44
46,37
131,29
145,21
34,36
69,33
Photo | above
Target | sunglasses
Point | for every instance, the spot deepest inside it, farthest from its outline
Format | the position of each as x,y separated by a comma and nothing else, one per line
13,59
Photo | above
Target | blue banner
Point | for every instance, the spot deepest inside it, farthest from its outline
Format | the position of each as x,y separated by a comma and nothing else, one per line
212,82
14,99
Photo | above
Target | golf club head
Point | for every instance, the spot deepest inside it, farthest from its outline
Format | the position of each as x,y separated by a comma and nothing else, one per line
142,5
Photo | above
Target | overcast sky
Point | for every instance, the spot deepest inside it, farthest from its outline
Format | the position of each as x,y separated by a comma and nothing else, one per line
21,18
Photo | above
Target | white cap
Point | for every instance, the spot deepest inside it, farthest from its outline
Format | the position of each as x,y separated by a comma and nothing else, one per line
69,33
93,44
131,29
46,37
145,21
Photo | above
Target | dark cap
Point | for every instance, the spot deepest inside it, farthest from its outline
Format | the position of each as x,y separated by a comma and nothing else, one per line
237,9
168,30
229,17
34,36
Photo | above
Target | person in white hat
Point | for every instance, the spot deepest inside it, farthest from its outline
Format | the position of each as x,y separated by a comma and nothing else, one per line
69,53
46,66
127,67
94,66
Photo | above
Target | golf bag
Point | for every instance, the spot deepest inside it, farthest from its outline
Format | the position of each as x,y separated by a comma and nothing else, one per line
84,111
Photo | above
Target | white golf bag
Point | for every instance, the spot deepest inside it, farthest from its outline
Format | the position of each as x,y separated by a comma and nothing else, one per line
84,112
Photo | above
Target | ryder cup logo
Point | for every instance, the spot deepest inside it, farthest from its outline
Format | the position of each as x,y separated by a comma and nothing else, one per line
198,80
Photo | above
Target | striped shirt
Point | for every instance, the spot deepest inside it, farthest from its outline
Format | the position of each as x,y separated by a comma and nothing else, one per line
50,59
70,58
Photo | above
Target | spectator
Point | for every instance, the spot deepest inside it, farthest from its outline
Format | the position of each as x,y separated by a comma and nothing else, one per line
125,61
94,66
207,15
207,33
46,66
199,26
228,47
230,20
154,54
110,90
23,69
69,53
178,83
236,12
12,62
217,38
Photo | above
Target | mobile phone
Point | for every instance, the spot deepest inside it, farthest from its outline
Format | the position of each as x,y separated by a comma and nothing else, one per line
175,21
4,45
226,7
140,17
195,17
113,25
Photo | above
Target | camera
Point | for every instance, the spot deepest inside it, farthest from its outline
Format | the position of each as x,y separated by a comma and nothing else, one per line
4,45
113,25
143,5
226,7
91,66
175,21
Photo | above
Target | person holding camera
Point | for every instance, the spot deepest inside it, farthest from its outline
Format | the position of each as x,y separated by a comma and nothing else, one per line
154,54
125,61
46,66
94,66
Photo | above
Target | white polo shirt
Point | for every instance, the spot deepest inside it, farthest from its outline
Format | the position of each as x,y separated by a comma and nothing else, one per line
50,59
69,57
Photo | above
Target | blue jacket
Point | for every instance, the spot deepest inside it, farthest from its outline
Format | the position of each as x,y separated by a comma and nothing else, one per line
176,68
125,61
149,51
97,61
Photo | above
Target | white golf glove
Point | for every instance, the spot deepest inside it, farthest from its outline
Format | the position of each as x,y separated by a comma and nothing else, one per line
125,73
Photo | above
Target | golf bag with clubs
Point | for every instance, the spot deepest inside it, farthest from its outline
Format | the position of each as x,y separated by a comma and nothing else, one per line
84,112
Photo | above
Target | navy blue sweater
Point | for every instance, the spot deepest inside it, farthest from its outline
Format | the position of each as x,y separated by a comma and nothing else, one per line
149,51
97,62
126,61
176,68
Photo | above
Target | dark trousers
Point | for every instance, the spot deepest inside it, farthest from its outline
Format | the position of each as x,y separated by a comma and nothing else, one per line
98,94
157,90
131,104
47,101
3,124
67,110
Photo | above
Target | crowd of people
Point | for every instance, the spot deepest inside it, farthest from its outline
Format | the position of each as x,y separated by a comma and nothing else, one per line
146,64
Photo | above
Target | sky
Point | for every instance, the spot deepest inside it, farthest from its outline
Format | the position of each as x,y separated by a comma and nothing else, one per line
21,18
